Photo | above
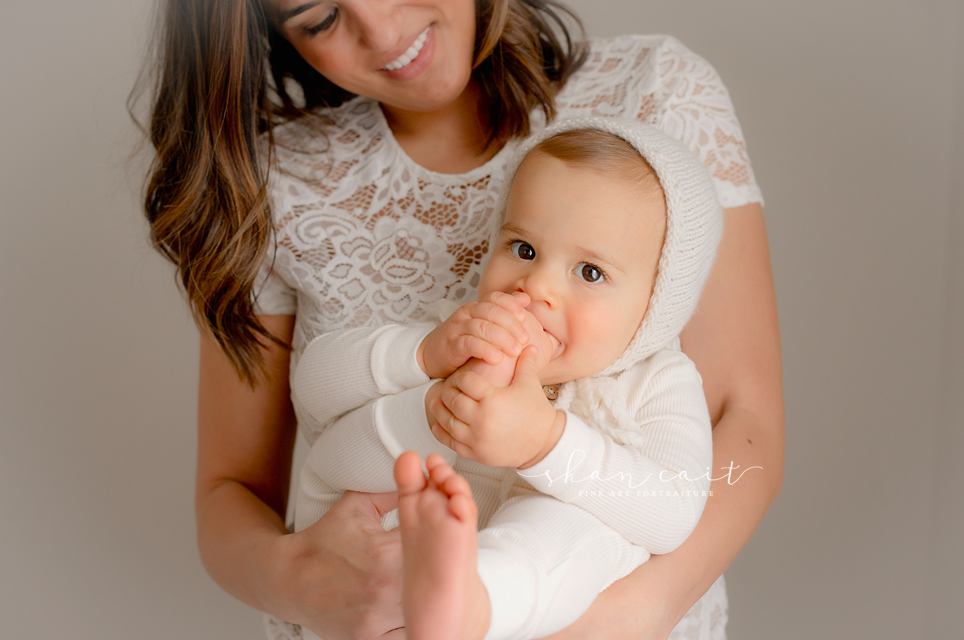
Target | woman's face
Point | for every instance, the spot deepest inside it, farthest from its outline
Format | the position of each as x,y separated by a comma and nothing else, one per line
414,55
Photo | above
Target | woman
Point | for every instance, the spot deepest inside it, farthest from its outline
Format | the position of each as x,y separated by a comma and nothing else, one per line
361,210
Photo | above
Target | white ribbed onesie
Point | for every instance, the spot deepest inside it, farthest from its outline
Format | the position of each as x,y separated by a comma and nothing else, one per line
552,546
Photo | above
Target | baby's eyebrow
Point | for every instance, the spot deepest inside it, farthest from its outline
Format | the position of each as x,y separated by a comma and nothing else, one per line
511,228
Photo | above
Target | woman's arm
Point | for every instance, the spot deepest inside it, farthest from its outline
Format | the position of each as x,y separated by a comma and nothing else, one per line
734,341
341,576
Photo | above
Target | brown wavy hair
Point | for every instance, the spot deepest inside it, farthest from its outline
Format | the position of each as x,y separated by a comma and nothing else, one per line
220,81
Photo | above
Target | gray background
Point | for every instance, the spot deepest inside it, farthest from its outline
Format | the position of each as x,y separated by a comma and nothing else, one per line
854,115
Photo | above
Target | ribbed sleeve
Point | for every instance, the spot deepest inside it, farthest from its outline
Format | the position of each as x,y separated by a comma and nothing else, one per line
401,425
638,489
357,452
343,370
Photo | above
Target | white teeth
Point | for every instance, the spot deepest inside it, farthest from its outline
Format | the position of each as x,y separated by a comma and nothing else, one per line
409,55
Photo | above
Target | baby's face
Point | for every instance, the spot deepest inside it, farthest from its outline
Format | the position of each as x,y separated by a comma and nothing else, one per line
585,247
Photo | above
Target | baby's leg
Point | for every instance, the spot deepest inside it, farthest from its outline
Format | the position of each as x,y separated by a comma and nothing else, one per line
442,595
347,455
543,562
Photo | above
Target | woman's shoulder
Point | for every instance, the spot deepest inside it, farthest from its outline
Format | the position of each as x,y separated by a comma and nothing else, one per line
614,49
623,67
658,80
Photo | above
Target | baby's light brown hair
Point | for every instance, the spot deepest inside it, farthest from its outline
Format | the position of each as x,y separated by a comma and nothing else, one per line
602,152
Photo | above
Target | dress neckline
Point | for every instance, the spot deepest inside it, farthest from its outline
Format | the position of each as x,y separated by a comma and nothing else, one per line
483,170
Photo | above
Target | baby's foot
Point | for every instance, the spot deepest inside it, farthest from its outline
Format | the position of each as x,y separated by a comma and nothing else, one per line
501,374
443,597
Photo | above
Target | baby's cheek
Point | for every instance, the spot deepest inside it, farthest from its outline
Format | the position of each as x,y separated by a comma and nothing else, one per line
595,335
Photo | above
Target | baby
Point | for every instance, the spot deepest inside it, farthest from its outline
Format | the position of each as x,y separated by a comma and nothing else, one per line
608,235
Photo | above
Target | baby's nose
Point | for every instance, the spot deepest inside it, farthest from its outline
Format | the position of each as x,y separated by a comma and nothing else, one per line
541,287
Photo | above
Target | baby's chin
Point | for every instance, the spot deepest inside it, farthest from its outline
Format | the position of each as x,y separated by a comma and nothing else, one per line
560,369
556,373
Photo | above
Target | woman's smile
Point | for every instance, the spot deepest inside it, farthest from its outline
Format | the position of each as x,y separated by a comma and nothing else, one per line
409,56
411,53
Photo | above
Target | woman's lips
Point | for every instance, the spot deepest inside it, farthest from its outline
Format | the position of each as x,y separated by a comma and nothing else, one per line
410,54
415,65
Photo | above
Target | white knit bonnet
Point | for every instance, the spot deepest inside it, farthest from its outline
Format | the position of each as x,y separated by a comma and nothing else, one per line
694,224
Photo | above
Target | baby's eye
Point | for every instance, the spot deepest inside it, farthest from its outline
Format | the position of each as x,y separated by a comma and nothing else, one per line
589,273
523,250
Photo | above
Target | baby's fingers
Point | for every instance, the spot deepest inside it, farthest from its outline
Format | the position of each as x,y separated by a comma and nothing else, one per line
446,438
453,426
461,406
473,385
515,303
501,318
475,347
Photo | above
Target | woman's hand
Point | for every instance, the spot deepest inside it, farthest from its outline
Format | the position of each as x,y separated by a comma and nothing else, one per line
341,577
488,330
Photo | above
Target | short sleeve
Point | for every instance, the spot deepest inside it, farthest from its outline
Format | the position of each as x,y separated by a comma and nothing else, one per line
272,295
697,110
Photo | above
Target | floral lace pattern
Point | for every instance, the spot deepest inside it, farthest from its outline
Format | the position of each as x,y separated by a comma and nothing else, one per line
365,236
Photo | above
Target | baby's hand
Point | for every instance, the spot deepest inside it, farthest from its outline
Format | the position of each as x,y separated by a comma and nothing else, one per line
513,426
488,330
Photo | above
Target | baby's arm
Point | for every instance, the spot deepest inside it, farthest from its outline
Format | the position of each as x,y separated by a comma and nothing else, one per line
356,447
638,489
342,370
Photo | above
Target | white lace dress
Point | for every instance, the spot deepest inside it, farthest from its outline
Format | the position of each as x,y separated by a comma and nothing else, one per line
366,237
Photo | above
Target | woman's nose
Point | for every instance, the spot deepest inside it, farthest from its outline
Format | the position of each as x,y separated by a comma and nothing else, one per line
379,23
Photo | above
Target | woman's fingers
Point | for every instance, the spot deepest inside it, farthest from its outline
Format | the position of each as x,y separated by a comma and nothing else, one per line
352,559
